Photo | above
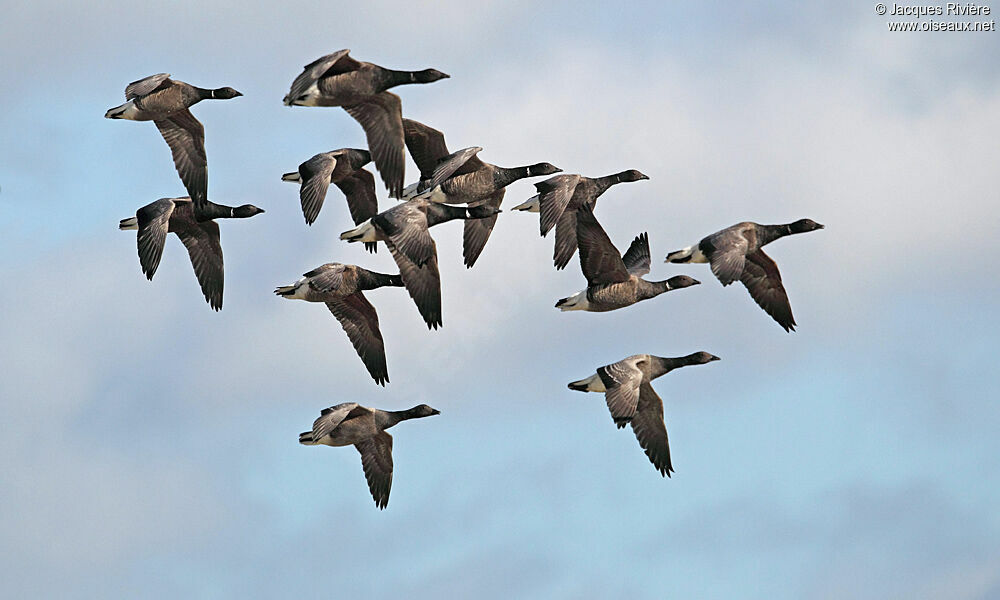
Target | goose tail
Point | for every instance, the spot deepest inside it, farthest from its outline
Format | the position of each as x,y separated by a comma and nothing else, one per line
681,256
530,205
129,223
306,438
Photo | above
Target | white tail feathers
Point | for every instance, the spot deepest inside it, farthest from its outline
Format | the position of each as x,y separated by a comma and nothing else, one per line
590,384
531,205
362,233
689,254
129,223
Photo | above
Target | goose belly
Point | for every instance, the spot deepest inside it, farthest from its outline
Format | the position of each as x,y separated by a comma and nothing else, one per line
611,297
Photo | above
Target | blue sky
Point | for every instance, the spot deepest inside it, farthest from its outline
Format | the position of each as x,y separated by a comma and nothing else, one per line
149,447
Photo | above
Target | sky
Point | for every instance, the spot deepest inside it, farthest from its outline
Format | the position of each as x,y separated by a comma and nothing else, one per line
149,446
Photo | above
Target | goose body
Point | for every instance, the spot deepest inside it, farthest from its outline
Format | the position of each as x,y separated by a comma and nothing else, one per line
350,424
201,238
559,198
360,88
736,253
404,230
613,281
341,287
632,400
166,102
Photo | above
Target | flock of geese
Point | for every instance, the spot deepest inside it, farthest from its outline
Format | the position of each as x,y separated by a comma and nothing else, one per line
452,185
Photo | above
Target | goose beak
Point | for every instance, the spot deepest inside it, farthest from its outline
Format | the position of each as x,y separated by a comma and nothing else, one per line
714,358
435,412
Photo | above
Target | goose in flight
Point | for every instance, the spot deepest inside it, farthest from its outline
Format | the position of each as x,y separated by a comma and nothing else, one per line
613,281
404,229
342,288
344,169
737,253
631,399
360,88
350,424
201,238
166,102
559,198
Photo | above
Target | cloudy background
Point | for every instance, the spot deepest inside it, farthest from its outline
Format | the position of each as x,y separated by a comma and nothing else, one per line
149,444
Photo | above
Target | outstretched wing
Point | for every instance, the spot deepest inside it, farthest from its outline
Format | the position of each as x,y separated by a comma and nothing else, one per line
326,278
477,231
763,281
330,418
565,246
455,162
376,460
147,85
359,187
423,283
331,64
154,221
554,195
205,250
651,431
315,174
621,383
358,318
186,137
637,258
426,146
599,259
405,225
726,252
381,116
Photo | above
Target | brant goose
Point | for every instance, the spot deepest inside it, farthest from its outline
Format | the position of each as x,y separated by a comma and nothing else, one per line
352,424
735,253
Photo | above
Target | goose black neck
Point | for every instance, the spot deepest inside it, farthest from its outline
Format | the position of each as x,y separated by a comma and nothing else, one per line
395,78
376,280
211,210
504,176
395,416
651,289
768,233
603,183
663,365
440,213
